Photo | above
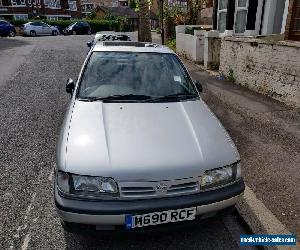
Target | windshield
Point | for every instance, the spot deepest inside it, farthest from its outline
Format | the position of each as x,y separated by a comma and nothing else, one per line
135,74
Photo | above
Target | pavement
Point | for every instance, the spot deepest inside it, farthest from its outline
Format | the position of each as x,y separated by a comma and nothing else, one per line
33,101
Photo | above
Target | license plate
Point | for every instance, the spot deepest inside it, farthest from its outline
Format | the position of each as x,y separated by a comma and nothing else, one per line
157,218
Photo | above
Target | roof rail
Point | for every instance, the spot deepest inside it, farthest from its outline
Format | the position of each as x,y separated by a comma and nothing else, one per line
130,44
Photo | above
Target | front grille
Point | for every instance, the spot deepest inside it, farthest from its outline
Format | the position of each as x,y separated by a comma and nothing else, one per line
183,188
158,189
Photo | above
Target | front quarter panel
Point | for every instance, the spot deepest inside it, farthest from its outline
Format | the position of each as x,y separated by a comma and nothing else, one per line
64,132
63,138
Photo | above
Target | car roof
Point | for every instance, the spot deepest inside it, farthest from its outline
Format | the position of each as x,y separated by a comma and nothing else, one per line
127,46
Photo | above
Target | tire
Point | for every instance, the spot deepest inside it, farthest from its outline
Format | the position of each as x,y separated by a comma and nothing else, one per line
54,33
32,33
74,32
11,33
89,32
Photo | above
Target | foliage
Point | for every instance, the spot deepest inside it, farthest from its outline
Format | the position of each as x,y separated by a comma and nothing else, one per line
171,43
194,8
231,76
190,30
172,16
133,4
92,15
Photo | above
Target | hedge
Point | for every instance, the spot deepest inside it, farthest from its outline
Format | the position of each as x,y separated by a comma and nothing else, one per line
190,30
96,25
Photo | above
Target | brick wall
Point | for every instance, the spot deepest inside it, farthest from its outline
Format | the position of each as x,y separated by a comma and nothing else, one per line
271,68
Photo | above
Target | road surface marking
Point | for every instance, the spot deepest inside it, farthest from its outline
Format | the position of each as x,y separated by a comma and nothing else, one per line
30,205
50,178
26,242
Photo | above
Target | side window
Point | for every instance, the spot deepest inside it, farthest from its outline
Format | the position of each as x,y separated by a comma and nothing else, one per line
222,13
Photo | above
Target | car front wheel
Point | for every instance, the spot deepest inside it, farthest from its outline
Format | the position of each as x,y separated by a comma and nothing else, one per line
32,33
12,33
74,32
54,33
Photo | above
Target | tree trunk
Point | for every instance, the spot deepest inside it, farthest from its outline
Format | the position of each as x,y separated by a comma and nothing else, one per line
144,26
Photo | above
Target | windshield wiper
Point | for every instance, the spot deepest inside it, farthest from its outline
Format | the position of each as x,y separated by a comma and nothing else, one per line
178,96
129,97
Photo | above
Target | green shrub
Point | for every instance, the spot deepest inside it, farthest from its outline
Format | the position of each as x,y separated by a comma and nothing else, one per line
231,76
171,43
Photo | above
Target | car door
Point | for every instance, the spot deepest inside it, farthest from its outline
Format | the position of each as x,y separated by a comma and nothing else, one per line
46,29
37,27
2,28
79,28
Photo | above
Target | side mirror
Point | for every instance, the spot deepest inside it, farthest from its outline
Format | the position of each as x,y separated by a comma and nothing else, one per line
70,86
89,44
198,85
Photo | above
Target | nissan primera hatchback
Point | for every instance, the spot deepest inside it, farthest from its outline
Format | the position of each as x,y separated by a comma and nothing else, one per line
138,146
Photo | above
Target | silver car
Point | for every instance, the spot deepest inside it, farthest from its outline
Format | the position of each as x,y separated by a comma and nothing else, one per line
139,147
38,28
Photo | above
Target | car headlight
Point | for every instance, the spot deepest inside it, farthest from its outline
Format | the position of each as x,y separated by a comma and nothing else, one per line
86,185
220,176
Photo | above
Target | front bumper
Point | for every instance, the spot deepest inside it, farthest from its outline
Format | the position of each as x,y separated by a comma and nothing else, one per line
113,212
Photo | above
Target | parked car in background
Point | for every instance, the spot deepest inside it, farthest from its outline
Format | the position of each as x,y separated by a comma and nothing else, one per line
38,28
7,29
78,28
143,149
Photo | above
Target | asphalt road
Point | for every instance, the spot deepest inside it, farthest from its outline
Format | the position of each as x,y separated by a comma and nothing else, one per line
32,104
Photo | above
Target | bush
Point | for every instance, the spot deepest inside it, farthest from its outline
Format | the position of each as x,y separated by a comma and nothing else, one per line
190,30
102,25
171,44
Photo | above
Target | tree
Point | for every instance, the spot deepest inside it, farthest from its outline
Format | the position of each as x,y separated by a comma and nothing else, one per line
144,25
194,8
132,4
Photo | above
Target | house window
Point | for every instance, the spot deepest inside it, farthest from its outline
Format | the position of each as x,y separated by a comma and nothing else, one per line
52,18
222,14
18,2
52,3
20,17
72,5
241,10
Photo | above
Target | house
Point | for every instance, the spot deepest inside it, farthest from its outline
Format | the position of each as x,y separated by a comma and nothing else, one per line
88,6
257,17
49,9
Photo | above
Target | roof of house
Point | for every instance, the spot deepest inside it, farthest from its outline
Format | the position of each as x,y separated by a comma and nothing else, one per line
120,11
